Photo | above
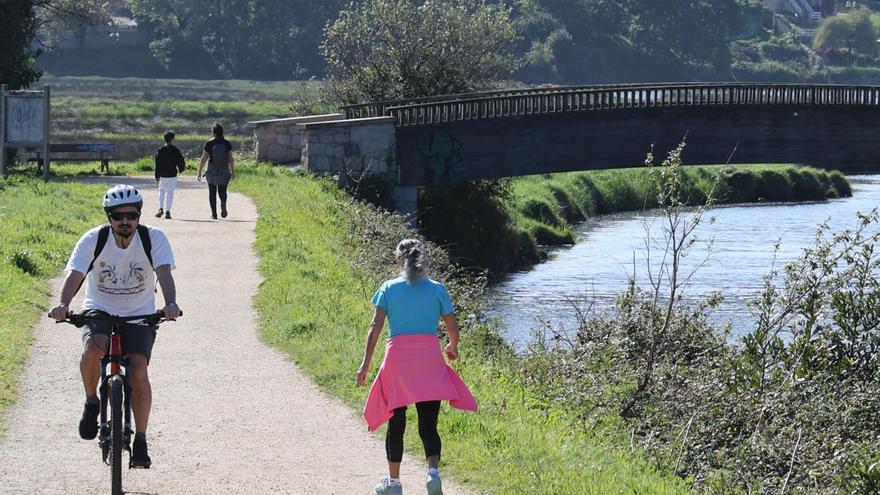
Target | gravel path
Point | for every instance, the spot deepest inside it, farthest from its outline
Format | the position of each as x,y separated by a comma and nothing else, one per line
230,415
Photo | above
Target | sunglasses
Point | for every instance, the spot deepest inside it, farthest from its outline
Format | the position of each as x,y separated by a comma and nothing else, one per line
126,215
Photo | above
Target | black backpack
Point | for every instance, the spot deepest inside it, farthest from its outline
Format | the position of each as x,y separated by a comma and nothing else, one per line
104,234
219,154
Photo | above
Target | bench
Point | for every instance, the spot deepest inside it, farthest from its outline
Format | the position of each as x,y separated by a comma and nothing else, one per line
102,150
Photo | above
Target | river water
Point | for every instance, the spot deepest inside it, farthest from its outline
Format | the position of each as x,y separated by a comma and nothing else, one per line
732,254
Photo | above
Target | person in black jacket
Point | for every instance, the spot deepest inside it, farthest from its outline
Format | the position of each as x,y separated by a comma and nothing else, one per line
221,169
169,161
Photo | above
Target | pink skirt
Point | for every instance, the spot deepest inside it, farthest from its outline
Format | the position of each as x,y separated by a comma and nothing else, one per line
414,371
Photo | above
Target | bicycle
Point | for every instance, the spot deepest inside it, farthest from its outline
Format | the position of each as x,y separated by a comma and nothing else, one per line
114,389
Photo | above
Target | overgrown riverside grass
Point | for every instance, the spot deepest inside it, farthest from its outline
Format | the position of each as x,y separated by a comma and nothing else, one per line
314,305
546,206
135,112
39,224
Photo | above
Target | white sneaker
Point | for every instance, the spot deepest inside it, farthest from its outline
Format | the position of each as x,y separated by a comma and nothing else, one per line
433,484
386,487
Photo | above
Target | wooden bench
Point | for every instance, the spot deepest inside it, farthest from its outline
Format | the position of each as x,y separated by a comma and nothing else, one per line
102,150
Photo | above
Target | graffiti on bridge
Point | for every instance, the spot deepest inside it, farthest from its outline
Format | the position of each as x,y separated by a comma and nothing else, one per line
441,152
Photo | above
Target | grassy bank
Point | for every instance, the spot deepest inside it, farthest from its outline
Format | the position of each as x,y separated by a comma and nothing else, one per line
547,206
37,239
315,306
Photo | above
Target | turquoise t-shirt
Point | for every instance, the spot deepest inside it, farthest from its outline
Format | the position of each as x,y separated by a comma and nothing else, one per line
413,308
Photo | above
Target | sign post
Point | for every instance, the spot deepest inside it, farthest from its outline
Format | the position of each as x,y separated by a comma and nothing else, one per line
24,123
46,134
2,129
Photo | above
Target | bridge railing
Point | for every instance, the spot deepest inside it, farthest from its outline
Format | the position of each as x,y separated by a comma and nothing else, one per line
378,108
592,98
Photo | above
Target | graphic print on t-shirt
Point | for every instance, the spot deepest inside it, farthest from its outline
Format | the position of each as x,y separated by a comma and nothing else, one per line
124,281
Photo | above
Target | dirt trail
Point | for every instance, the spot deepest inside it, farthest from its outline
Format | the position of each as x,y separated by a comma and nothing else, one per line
230,415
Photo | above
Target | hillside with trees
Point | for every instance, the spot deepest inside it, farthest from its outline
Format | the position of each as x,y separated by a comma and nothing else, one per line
555,41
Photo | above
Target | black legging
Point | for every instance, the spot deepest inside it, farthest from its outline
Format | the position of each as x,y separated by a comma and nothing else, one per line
428,412
212,193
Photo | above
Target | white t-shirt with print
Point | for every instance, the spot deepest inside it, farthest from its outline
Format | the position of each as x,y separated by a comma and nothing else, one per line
121,282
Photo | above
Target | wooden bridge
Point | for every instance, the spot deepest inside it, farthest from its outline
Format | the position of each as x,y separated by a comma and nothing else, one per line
558,129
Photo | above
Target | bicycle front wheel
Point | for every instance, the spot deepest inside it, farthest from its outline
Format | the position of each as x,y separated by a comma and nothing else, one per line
116,421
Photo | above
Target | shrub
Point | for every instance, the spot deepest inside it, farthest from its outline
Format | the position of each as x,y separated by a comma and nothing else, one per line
741,186
773,185
779,59
471,221
840,184
806,185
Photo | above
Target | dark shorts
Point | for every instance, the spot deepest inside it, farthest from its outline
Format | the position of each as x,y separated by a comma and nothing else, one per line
138,339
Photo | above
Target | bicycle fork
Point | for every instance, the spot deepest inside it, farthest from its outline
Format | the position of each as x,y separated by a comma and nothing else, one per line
127,432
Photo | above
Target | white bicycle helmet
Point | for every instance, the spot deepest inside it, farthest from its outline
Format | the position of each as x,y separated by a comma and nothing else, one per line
122,194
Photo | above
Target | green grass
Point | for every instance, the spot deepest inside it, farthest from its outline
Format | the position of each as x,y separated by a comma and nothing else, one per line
39,224
315,306
192,89
546,206
135,112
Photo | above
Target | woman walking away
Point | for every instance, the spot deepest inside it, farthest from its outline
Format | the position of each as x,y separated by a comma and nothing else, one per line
413,371
221,169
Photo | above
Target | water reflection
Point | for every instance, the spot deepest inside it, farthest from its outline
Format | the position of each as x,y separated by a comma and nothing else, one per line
611,247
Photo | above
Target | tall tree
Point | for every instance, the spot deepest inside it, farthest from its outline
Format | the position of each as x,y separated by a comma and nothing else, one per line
852,30
389,49
20,24
18,29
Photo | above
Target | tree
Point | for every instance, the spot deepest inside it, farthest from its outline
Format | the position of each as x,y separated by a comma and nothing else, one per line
683,31
392,49
628,40
852,30
19,29
258,39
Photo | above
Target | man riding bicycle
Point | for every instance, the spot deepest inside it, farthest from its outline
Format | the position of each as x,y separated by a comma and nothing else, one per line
120,277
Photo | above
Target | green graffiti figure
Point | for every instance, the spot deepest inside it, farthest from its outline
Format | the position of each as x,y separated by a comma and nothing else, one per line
441,151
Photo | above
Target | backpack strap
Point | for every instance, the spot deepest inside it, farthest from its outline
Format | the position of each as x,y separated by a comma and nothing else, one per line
144,234
103,235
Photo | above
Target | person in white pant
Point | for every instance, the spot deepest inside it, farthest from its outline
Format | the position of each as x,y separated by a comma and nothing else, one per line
169,161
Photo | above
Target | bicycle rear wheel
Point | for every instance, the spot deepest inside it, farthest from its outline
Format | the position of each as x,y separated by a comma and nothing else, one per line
116,421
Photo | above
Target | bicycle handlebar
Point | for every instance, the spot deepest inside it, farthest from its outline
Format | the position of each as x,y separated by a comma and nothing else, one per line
78,320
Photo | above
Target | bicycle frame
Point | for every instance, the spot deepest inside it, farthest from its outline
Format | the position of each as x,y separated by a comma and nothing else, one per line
117,362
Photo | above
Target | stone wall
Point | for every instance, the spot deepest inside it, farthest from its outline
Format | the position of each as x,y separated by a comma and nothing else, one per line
280,140
350,146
